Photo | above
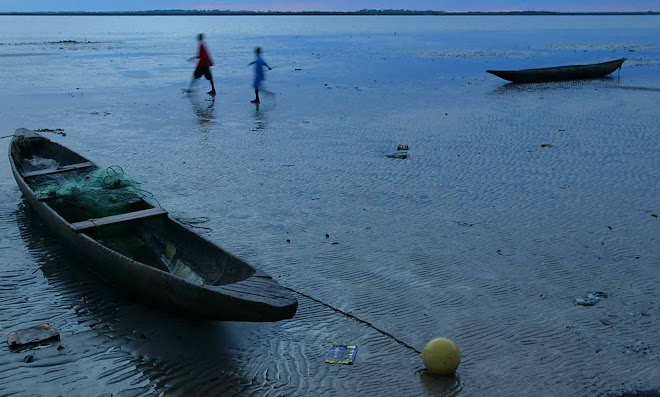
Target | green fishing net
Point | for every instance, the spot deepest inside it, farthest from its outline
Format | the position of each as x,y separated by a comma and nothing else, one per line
95,193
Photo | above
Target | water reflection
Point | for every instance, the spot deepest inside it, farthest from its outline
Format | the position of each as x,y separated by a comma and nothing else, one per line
440,385
156,343
508,88
259,119
204,111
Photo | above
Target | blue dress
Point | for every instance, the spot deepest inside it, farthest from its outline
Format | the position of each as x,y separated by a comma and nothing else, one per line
258,72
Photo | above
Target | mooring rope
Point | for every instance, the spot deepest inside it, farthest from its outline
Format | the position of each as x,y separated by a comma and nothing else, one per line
359,320
195,222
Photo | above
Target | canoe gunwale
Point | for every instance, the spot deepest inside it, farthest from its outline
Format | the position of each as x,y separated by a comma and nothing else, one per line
214,302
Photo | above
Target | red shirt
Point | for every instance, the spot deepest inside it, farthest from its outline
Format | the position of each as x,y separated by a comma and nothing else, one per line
204,57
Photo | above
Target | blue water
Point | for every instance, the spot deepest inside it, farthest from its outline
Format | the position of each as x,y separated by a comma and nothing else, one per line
481,235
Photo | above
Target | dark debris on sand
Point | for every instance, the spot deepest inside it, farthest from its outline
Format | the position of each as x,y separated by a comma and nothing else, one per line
57,131
401,156
644,393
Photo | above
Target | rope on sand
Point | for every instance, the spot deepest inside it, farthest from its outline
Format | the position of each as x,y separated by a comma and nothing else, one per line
195,222
368,324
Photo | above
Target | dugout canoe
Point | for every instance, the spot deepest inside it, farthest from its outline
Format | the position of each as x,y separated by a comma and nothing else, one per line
572,72
139,249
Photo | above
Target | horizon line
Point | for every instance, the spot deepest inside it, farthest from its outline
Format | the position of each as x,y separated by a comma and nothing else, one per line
358,12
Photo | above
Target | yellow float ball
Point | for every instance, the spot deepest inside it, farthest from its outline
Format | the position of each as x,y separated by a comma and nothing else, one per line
441,356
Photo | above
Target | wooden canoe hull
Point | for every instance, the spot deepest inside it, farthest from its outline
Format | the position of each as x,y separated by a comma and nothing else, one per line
573,72
255,298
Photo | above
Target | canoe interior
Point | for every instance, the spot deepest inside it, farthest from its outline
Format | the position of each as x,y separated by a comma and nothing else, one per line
164,244
156,241
38,153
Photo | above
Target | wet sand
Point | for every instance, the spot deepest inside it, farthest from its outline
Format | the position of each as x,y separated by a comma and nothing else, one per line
513,202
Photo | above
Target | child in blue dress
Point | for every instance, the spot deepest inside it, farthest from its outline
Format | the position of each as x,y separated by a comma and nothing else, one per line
258,73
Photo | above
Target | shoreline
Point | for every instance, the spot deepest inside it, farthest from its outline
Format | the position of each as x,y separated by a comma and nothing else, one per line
322,13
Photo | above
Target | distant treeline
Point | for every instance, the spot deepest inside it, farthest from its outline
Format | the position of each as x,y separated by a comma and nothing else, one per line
360,12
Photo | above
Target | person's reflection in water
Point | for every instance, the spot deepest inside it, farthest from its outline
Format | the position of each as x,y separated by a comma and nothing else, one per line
204,112
259,120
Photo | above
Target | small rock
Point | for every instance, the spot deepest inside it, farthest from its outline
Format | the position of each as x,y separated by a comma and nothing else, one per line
639,347
327,235
402,147
654,215
335,243
547,145
288,240
40,333
591,299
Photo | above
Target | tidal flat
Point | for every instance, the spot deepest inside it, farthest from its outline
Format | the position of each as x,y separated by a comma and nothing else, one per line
512,202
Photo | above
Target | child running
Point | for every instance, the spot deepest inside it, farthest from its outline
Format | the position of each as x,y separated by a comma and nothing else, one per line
203,66
258,73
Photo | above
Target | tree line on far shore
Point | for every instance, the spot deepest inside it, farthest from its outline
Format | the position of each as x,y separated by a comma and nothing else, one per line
360,12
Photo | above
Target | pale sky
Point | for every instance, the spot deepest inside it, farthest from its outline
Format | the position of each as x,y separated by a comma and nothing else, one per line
330,5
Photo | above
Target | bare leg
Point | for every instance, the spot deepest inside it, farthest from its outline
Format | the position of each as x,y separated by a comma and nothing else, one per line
212,92
256,99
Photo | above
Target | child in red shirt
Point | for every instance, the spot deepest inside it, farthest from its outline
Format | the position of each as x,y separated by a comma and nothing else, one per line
203,66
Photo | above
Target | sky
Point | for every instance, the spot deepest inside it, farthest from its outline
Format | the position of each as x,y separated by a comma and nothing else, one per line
330,5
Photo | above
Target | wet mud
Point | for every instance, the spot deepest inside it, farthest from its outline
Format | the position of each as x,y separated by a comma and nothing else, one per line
481,235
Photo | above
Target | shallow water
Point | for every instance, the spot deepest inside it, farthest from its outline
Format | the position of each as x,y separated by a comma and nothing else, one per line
481,235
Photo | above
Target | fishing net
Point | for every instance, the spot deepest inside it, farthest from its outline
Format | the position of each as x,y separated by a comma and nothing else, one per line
93,194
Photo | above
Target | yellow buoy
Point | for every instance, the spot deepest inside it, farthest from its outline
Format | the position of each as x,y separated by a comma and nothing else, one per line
441,356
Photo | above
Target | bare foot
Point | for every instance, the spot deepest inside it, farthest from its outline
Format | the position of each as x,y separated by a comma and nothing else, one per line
256,101
212,92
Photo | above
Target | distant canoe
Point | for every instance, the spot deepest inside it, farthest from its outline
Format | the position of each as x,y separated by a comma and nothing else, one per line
573,72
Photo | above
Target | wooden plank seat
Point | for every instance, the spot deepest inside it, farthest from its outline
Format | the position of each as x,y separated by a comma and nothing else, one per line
57,170
109,220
